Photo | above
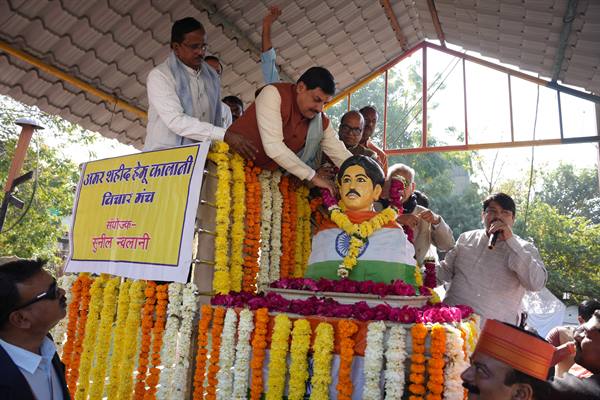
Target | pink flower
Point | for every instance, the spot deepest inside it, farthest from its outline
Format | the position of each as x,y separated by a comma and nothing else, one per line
380,289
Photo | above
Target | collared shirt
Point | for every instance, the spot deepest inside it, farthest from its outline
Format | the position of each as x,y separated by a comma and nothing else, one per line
167,122
493,282
270,125
268,66
381,156
37,369
426,234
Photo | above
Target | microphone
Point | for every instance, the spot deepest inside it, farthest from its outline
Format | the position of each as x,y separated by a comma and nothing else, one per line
492,240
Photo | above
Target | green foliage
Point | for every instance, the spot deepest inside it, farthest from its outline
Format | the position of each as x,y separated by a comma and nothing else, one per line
49,195
570,249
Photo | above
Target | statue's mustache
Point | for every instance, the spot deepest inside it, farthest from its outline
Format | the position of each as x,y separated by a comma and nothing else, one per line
352,191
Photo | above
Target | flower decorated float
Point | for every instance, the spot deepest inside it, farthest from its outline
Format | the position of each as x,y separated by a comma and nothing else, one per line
286,301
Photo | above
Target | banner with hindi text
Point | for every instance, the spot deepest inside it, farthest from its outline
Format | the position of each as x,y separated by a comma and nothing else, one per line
134,215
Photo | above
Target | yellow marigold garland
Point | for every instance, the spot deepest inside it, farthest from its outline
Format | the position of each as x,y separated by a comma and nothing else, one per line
102,347
299,266
299,364
346,330
278,355
146,340
221,279
435,364
132,326
358,234
73,315
417,366
89,342
322,355
86,284
237,226
118,340
162,300
418,276
307,239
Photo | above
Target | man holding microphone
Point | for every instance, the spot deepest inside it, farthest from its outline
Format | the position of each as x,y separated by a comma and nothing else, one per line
493,280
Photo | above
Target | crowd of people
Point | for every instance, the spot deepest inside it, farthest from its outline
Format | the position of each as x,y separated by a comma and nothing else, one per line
488,269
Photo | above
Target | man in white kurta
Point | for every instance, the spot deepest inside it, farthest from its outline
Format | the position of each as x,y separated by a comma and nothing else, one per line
493,281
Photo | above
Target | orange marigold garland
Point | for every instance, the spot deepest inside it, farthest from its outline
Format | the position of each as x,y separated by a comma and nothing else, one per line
162,300
288,227
252,237
147,324
435,364
213,368
346,330
73,315
86,284
259,345
199,374
417,366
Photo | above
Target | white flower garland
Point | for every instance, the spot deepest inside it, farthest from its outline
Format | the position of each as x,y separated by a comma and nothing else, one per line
395,355
373,360
276,226
262,281
59,332
182,362
455,364
242,355
169,345
227,356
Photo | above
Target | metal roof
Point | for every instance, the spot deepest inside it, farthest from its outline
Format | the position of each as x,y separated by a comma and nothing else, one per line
113,44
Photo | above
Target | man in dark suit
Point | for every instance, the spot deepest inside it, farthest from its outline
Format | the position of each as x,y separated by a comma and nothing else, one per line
31,303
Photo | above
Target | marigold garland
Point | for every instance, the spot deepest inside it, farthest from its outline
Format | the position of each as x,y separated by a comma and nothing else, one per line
227,356
302,232
199,374
288,227
73,316
188,311
119,340
395,355
274,273
89,342
259,345
221,279
252,236
86,284
299,362
169,347
358,233
162,300
418,276
132,326
322,355
278,356
373,360
213,368
314,208
265,230
242,355
147,324
417,367
102,347
59,332
435,364
346,330
307,231
453,389
238,210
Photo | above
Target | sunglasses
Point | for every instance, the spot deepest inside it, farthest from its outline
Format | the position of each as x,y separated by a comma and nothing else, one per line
51,294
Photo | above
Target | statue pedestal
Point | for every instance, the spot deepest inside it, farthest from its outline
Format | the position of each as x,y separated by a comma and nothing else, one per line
351,298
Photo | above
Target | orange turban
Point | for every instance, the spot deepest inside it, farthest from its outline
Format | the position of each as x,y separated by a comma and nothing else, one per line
522,351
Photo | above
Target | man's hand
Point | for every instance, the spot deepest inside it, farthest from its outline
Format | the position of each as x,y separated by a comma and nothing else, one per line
241,145
499,226
321,182
430,216
412,221
326,171
274,13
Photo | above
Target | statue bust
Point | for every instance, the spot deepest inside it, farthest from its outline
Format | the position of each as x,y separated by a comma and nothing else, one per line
358,242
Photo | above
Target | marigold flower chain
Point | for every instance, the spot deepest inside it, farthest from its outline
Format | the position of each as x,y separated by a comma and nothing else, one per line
188,311
73,316
346,330
242,355
102,348
237,226
89,342
203,325
435,364
118,340
265,230
252,236
299,362
152,379
59,332
227,356
303,224
322,355
174,313
259,344
417,367
395,356
147,323
278,356
453,389
86,283
274,272
286,229
213,368
221,280
373,360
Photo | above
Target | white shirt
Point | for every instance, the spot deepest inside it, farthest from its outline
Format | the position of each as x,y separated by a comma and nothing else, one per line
270,126
226,116
167,122
37,369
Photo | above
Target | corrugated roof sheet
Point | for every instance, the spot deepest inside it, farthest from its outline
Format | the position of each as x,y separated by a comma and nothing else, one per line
113,44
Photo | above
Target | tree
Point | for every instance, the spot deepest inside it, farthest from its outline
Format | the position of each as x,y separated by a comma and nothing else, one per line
49,195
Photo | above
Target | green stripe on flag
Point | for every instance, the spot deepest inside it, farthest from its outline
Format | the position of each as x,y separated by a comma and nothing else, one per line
377,271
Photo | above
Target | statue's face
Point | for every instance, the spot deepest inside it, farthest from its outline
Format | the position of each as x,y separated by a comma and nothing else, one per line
357,191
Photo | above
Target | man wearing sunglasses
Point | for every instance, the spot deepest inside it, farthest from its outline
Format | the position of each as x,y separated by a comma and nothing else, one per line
31,304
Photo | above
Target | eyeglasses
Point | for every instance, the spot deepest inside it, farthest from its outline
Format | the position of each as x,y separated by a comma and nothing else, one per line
493,211
348,129
196,47
51,294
